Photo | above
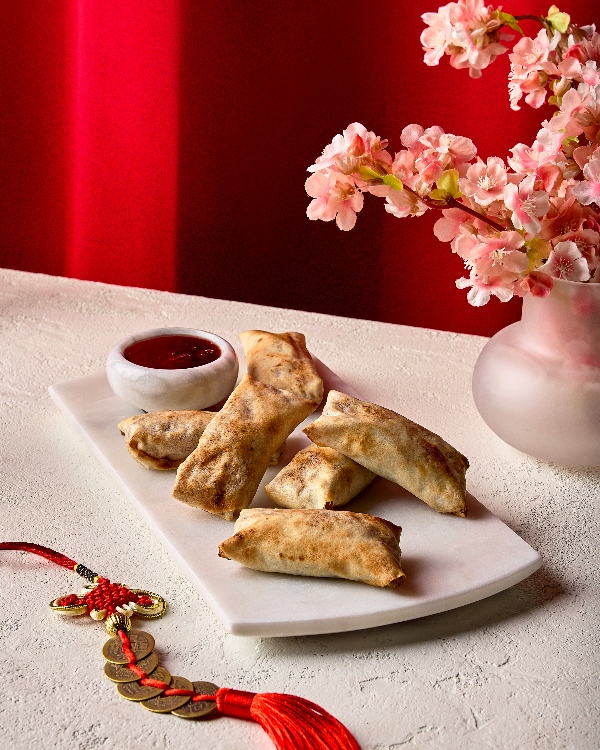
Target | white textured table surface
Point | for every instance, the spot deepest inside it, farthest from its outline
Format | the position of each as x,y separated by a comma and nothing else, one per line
518,670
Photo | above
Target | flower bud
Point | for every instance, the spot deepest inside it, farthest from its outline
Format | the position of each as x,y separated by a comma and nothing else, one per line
560,87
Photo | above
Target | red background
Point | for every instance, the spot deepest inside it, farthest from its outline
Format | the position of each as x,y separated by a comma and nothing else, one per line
164,144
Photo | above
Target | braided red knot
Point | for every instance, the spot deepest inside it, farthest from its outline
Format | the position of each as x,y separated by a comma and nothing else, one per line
106,598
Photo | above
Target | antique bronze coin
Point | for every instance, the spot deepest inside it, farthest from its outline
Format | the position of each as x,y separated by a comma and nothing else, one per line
163,704
134,691
142,644
199,709
122,673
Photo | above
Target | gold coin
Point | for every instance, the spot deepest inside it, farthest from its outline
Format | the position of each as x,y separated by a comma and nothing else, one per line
134,691
199,709
122,673
142,644
162,704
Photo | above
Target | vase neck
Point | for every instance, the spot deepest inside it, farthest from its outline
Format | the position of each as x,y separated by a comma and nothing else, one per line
566,323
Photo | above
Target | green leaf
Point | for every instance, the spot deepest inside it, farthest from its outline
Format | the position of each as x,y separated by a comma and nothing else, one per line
511,21
559,21
537,252
438,195
448,183
570,140
368,174
387,179
392,181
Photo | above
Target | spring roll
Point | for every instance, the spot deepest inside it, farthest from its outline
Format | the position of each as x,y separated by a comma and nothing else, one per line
395,448
318,478
320,543
164,439
283,361
222,475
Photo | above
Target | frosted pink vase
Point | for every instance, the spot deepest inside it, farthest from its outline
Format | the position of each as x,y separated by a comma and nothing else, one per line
537,382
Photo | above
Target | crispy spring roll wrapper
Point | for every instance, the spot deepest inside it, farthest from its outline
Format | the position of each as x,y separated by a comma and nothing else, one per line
318,478
223,473
164,439
319,543
283,361
395,448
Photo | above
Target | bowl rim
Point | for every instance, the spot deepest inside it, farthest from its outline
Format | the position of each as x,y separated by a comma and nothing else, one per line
116,352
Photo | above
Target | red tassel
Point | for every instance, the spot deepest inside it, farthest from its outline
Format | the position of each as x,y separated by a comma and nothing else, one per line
292,723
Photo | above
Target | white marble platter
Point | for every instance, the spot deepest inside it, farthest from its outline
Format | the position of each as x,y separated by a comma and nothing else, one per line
449,561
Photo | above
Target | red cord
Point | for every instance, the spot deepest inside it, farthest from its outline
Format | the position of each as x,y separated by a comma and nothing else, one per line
46,552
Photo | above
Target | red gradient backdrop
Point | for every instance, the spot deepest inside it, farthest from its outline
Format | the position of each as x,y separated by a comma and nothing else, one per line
164,144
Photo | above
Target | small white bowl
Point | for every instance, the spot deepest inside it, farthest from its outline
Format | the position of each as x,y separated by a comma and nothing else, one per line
153,389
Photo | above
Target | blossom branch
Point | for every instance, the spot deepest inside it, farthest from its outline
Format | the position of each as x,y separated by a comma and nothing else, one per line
542,21
453,203
517,226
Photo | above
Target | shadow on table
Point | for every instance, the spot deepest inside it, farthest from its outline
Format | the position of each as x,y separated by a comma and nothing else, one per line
536,591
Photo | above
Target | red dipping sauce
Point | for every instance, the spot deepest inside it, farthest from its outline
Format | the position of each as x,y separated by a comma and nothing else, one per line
172,352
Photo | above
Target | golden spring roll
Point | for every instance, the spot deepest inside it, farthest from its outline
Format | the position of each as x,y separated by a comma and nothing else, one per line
283,361
164,439
395,448
318,478
223,473
319,543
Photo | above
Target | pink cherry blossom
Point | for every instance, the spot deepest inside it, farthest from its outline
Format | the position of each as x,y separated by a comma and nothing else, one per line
452,151
493,253
528,54
587,48
588,191
355,147
427,154
464,245
529,69
537,284
410,137
466,31
451,224
532,86
528,159
437,37
335,197
526,205
568,68
566,262
485,183
475,51
500,285
590,74
565,215
587,241
564,121
551,177
429,170
588,118
403,165
401,203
